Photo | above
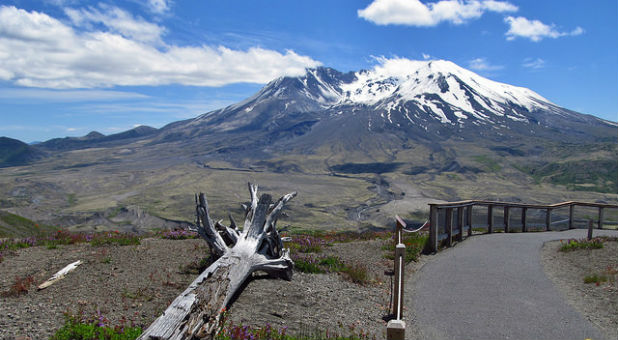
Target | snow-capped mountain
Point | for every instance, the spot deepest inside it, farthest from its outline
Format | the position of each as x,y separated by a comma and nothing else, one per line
424,99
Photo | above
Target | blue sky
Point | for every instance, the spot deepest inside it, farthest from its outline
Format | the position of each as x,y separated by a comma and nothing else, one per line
68,67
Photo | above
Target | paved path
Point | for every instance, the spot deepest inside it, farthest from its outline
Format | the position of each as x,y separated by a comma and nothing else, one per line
494,287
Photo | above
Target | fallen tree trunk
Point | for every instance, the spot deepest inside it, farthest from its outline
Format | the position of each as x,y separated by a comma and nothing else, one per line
59,275
195,313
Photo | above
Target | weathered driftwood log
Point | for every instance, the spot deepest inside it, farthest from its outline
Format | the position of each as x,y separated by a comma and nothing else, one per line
59,275
195,313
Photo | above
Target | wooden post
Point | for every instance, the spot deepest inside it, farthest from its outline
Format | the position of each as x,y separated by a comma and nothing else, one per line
600,217
449,226
490,218
523,219
571,216
460,222
548,220
507,219
399,229
433,228
590,230
469,219
400,252
396,330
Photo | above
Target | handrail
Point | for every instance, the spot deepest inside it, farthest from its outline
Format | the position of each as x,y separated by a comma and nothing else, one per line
459,204
456,228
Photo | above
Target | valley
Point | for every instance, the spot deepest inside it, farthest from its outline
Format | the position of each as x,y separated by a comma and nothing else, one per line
357,147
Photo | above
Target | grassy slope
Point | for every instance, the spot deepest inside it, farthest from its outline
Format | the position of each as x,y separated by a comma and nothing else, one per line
12,225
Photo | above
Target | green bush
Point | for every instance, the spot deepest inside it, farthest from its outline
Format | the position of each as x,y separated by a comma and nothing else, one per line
574,244
75,328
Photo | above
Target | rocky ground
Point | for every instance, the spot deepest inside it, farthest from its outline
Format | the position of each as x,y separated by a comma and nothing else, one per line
598,303
138,282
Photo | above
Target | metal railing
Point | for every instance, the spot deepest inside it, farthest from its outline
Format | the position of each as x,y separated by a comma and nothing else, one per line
455,228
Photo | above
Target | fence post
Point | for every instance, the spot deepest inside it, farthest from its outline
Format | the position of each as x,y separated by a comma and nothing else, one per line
589,230
469,218
433,228
395,329
507,219
490,218
460,223
600,217
548,220
524,228
449,226
571,216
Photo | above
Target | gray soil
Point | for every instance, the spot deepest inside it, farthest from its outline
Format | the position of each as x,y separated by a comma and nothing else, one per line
599,304
138,282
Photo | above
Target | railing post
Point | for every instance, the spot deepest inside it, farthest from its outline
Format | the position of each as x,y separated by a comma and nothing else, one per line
460,223
399,229
507,219
433,228
589,230
600,217
524,228
395,329
548,220
469,219
571,216
490,218
449,226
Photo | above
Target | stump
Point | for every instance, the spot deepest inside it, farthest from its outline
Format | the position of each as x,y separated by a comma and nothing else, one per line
196,312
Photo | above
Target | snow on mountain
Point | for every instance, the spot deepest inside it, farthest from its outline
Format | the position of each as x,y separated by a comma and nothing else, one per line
425,83
432,98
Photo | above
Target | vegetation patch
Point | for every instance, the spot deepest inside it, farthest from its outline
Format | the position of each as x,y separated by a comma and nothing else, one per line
230,331
573,244
489,164
78,327
414,242
20,286
584,175
177,234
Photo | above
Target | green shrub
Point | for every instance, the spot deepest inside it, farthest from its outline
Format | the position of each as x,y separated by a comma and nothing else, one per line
76,328
595,279
574,244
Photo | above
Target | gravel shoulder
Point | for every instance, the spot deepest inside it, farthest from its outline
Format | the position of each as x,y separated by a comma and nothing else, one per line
138,282
599,304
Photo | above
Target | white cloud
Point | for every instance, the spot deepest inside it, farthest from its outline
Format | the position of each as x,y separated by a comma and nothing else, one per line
37,50
481,64
159,6
416,13
67,95
535,30
426,56
117,21
533,63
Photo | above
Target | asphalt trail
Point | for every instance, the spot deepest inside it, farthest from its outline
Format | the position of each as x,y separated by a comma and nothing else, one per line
493,287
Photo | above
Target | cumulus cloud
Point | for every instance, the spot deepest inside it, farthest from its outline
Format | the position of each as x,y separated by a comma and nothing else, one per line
481,64
116,49
416,13
533,63
535,30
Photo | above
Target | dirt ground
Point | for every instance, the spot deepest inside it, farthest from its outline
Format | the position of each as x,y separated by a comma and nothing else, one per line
138,282
598,303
